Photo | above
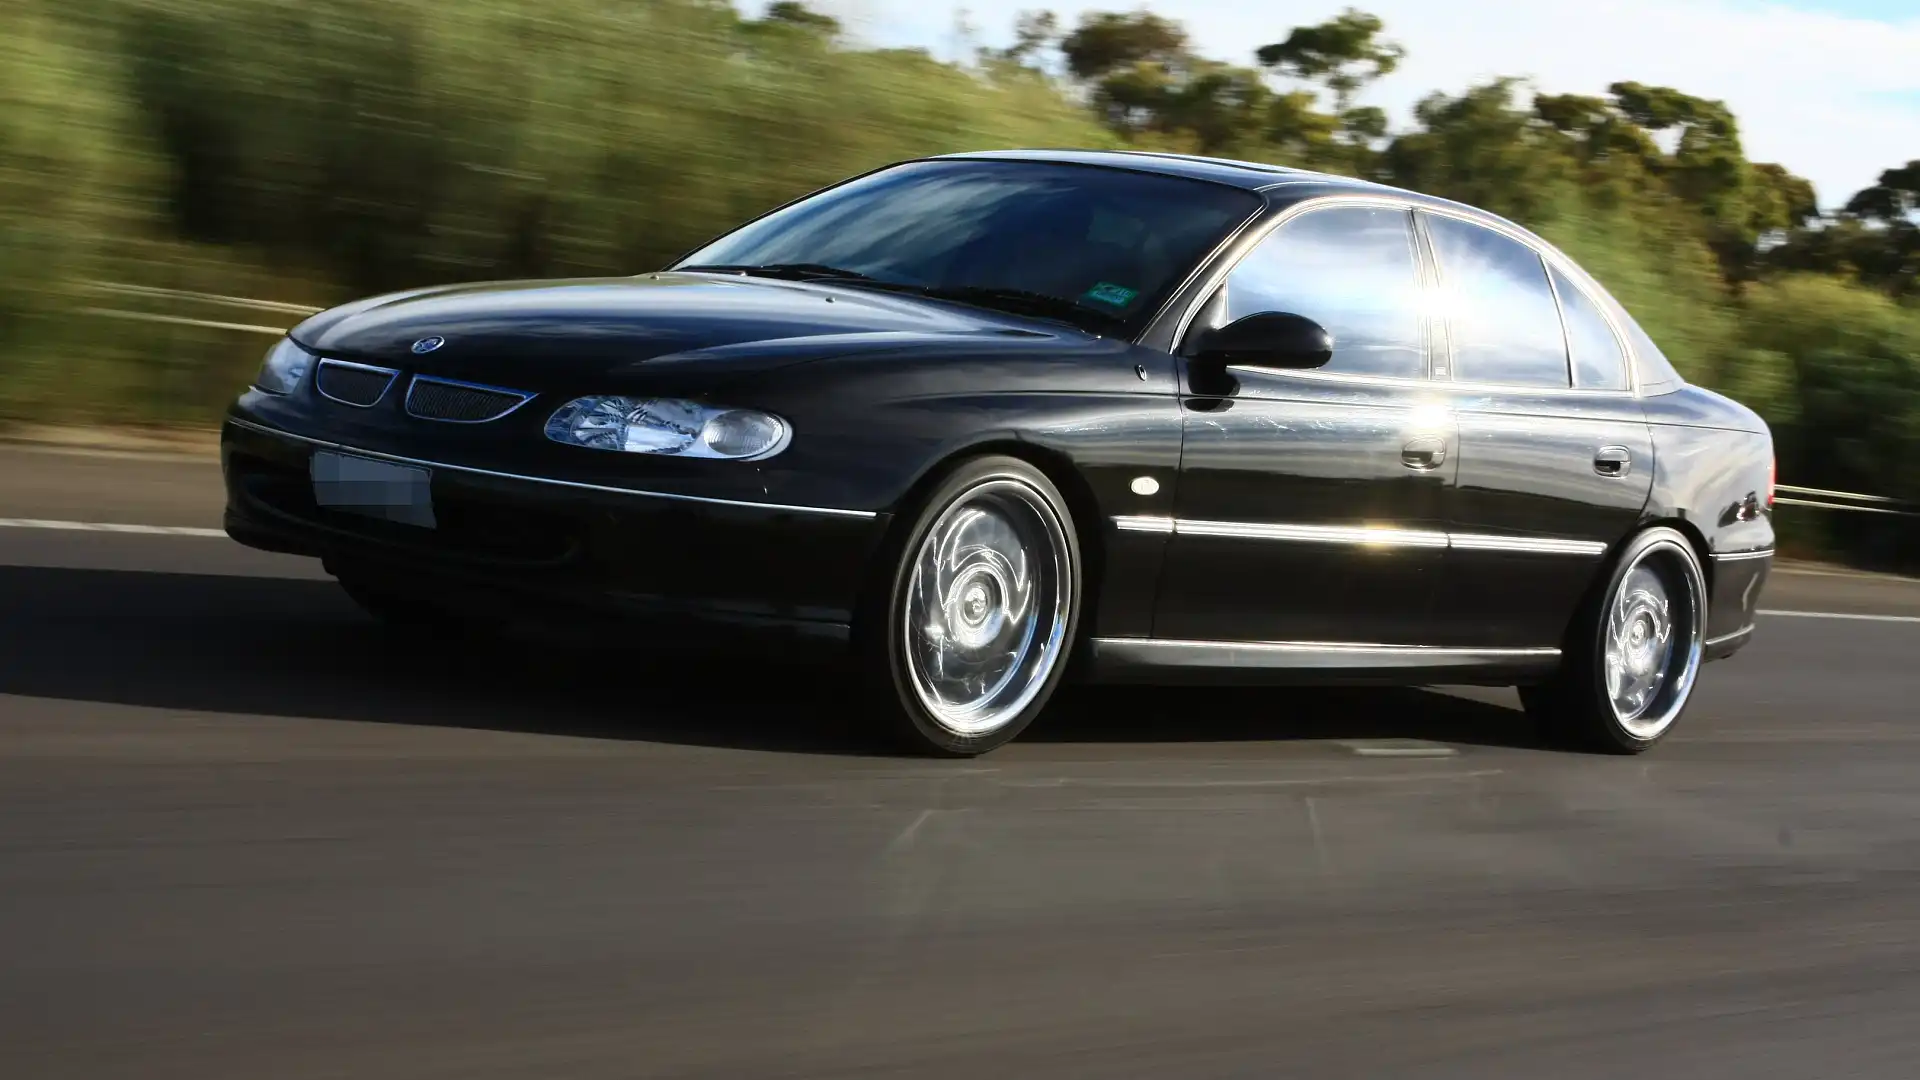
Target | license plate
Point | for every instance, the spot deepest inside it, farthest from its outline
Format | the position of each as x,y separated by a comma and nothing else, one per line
377,489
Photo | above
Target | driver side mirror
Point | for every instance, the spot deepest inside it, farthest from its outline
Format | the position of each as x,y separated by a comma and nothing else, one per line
1269,339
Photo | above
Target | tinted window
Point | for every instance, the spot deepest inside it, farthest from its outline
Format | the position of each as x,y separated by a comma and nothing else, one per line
1656,372
1598,362
1351,269
1114,242
1505,325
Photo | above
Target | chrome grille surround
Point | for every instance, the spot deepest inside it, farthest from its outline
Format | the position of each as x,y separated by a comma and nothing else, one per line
359,385
451,401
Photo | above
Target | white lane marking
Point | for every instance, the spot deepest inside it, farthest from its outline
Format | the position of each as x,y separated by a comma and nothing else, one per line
1842,615
905,839
1366,750
1304,781
109,526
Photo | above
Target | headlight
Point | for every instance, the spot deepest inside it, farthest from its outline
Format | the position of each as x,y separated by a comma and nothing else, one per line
286,364
665,426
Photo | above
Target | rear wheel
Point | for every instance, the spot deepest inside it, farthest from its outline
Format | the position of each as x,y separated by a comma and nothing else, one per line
1635,651
967,637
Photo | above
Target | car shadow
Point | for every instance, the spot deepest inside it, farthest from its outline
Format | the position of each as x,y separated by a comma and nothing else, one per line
300,648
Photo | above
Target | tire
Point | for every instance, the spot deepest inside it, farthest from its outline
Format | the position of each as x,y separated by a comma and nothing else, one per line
1633,653
973,611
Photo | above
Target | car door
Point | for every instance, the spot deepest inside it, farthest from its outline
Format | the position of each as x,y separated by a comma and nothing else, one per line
1310,506
1555,456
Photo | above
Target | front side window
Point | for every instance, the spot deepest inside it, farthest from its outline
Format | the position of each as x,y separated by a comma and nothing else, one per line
1505,326
1351,269
1105,246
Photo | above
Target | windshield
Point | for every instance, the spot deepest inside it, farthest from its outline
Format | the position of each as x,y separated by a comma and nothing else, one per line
1099,247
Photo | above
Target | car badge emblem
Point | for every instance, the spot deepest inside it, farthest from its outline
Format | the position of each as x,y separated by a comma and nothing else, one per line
427,345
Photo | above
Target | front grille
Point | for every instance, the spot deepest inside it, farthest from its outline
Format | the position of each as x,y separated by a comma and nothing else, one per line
352,384
460,403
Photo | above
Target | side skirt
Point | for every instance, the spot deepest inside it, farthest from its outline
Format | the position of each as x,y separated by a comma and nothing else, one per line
1153,660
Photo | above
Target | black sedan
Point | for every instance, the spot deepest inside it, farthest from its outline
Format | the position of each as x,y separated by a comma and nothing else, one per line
986,421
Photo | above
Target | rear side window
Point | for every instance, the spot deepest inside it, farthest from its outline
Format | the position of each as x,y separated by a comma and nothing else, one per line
1352,270
1598,362
1505,324
1657,374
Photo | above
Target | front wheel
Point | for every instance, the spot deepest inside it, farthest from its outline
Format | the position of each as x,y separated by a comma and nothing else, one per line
1634,652
978,605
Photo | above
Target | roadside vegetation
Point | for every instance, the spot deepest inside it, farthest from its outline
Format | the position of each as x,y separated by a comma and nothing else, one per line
305,153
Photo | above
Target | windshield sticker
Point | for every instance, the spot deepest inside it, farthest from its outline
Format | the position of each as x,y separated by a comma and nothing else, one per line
1113,295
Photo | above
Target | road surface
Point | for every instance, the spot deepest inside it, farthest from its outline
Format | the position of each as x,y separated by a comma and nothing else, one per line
244,833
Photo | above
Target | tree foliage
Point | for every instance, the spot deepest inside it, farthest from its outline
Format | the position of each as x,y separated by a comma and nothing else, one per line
311,152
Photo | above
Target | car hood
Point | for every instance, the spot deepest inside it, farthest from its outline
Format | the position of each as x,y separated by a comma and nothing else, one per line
573,328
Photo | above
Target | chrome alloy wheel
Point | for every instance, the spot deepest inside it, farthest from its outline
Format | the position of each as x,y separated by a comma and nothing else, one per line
985,618
1653,639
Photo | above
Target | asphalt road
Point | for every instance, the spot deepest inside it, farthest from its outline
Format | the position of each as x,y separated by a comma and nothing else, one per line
245,833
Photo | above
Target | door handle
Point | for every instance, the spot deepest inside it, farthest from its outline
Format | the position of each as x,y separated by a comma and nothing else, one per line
1613,461
1424,453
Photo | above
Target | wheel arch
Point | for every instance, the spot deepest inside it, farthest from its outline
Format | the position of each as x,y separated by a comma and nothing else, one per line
1082,507
1603,570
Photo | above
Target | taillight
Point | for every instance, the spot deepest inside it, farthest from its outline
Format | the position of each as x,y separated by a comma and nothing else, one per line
1773,477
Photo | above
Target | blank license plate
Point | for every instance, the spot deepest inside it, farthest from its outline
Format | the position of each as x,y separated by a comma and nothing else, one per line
379,489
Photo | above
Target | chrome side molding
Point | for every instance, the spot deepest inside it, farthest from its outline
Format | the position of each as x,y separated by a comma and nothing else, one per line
1736,556
1308,655
1360,536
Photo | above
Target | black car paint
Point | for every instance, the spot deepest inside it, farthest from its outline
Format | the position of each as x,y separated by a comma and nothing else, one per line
1526,468
882,389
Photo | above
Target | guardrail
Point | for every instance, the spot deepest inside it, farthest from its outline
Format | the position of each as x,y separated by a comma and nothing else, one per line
211,299
1821,499
1818,498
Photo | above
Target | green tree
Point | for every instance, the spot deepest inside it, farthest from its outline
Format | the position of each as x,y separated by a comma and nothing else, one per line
1345,54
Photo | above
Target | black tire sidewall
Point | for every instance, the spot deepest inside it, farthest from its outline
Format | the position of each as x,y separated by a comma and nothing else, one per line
887,674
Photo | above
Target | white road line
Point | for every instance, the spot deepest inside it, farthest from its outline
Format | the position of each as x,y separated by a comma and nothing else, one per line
1397,748
1843,615
109,526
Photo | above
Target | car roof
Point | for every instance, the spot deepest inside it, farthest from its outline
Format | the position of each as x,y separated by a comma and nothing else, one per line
1280,184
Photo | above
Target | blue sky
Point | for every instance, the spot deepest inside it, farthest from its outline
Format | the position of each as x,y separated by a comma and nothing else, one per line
1883,10
1828,88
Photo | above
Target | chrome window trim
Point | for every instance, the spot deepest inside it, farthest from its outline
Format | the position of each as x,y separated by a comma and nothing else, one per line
1566,328
1254,237
1235,236
1560,313
344,448
1552,257
1736,556
1259,235
407,404
320,364
1375,536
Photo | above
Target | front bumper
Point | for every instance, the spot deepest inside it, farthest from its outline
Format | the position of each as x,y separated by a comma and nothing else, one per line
676,564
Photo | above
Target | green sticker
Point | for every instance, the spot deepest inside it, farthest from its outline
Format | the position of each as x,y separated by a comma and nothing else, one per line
1108,293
